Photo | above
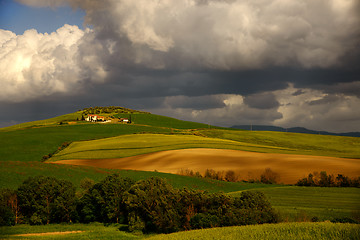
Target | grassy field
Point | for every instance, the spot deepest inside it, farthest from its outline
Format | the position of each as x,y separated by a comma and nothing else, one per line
303,203
47,122
162,121
292,143
70,231
304,231
32,144
132,145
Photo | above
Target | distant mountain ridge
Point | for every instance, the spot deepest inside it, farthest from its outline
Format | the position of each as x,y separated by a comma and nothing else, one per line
293,129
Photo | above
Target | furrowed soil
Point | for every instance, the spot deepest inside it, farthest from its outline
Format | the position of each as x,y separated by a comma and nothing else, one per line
248,165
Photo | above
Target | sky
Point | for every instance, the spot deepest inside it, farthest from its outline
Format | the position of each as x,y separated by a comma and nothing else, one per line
221,62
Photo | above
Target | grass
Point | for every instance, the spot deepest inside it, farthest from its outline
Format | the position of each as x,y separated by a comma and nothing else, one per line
162,121
291,143
302,203
132,145
323,230
88,231
310,231
32,144
47,122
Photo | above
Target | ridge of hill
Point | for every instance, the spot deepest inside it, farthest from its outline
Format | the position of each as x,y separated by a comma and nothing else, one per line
135,116
293,130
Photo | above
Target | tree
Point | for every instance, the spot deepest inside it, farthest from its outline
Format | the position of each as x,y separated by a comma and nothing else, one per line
112,190
151,204
104,201
46,199
9,208
269,176
230,176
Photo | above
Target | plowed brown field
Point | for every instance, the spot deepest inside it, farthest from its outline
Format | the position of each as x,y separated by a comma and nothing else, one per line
248,165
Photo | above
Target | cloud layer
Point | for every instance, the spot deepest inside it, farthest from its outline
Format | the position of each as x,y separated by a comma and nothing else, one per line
243,60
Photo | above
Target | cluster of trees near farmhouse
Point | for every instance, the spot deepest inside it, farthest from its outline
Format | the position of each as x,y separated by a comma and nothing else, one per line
150,205
111,109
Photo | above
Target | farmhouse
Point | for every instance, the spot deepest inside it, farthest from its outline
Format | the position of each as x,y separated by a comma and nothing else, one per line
94,118
124,120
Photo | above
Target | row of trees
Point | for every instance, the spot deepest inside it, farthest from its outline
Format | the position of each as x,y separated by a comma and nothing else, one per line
268,176
322,179
150,205
110,109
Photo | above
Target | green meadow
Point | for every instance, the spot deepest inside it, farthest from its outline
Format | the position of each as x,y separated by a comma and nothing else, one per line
292,143
304,203
161,121
308,231
136,144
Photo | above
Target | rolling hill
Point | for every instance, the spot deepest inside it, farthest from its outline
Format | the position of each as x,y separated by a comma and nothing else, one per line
293,130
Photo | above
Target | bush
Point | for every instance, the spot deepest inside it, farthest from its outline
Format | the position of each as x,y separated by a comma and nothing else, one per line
204,220
7,217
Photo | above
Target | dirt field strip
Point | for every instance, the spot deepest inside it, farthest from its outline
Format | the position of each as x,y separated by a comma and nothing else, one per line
46,233
249,165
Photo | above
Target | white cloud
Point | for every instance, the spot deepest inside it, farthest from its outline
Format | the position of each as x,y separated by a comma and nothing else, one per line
318,110
34,64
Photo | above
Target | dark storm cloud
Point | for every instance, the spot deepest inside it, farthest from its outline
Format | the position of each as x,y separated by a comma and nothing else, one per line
192,58
261,101
196,103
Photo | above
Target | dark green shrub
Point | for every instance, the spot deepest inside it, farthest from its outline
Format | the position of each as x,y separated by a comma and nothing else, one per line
7,217
204,220
344,220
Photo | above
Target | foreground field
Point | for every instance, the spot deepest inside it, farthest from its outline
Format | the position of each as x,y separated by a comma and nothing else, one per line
305,203
150,152
324,230
273,231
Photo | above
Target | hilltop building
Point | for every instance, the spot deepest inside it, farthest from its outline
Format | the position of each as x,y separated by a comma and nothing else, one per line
94,118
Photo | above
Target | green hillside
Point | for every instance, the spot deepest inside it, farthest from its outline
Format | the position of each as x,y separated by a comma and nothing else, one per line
162,121
292,143
303,203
